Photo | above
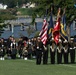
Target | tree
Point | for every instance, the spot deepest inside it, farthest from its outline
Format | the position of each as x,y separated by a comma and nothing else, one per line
42,5
68,4
1,26
13,3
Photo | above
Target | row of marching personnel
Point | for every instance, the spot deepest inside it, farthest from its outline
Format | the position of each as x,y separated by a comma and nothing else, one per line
34,48
63,49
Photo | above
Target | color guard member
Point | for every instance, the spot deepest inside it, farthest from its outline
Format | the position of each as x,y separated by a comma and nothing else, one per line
39,50
72,51
59,52
65,51
14,46
2,49
25,51
20,47
52,51
45,54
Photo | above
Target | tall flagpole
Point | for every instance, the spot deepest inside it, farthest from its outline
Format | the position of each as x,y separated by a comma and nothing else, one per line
12,30
52,29
46,13
59,16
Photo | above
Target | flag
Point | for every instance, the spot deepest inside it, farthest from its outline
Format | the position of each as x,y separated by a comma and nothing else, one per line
58,14
43,32
64,21
62,30
50,27
57,26
63,26
56,37
56,31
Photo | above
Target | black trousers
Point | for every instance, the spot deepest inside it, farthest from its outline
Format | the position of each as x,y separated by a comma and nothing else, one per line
38,57
72,55
9,53
66,57
34,53
13,54
20,52
45,56
29,53
2,53
52,57
59,58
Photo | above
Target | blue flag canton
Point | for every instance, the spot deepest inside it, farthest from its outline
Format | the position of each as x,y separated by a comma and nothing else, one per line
50,27
64,21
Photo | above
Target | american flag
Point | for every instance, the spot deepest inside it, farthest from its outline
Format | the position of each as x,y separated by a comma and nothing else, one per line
43,32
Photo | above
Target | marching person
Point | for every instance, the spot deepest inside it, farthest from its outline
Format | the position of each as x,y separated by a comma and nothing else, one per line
52,51
45,54
2,49
9,41
14,46
29,48
39,50
59,52
65,49
34,41
72,51
75,45
20,47
25,50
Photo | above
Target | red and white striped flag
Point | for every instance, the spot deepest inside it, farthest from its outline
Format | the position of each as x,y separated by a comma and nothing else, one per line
43,32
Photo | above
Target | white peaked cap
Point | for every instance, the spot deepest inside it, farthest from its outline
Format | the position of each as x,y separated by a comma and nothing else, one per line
72,38
38,37
52,38
60,40
65,41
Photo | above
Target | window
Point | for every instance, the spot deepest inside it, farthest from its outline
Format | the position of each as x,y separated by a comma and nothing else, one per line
75,24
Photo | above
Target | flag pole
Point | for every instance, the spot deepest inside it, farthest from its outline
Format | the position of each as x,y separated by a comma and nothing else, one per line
59,16
52,18
51,29
46,13
62,36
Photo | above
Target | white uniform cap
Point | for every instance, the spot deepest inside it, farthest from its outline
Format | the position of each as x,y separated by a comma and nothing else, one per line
72,38
65,41
60,40
38,37
52,38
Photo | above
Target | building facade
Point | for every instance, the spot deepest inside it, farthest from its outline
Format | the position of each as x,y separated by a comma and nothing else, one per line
73,29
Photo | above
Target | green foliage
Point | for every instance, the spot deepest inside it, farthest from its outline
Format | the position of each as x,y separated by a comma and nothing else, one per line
33,18
8,14
7,17
30,30
14,3
47,4
1,28
41,6
37,33
26,11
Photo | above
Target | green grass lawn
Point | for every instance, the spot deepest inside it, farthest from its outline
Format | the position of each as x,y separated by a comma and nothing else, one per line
28,67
